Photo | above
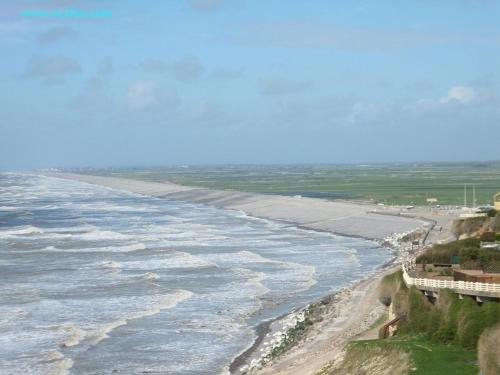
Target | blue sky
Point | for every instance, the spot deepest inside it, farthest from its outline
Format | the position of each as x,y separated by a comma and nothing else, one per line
214,81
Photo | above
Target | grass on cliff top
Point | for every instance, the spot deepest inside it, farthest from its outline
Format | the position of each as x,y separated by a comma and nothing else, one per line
428,357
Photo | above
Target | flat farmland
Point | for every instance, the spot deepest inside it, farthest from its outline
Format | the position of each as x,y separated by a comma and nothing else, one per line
400,184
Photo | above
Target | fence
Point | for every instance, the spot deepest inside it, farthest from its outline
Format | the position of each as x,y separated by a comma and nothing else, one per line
457,286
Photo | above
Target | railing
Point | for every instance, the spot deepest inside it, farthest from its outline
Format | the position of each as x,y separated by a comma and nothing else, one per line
447,284
384,331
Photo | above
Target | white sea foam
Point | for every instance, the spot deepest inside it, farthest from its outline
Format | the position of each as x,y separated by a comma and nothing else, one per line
175,259
8,208
62,367
104,249
27,229
150,276
99,235
52,355
301,275
112,265
261,264
74,335
166,302
7,315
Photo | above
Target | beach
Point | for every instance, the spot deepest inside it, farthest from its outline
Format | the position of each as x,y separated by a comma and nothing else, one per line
338,217
344,314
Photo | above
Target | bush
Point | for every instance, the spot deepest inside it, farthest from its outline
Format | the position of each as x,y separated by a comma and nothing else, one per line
489,351
492,213
467,250
488,237
421,316
451,319
389,286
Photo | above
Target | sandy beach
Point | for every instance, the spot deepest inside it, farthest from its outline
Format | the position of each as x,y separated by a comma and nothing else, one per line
339,217
345,314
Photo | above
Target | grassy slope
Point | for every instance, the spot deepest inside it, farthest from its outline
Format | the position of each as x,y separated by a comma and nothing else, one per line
428,357
392,184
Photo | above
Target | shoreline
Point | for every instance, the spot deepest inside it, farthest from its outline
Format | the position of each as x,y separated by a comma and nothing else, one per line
262,329
358,220
309,214
242,363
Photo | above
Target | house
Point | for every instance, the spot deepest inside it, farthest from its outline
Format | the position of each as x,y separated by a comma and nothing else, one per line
496,201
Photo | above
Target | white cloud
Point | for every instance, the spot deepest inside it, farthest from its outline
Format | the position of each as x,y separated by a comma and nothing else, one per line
147,95
361,112
461,94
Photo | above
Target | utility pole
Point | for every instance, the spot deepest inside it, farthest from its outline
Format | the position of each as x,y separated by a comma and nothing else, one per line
473,195
465,195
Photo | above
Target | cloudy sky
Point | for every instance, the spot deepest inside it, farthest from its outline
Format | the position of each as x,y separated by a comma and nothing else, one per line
131,83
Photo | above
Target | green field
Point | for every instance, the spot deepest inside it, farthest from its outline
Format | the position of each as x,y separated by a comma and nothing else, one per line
390,184
428,357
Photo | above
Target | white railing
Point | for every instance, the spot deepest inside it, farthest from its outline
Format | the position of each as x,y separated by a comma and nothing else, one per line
447,284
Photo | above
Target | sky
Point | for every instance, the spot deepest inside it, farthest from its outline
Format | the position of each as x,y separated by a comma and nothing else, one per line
101,83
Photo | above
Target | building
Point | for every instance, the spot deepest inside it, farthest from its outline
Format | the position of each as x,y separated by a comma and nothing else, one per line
476,276
496,201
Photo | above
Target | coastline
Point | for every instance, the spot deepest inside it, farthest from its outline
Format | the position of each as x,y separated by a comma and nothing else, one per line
344,313
249,361
261,331
336,217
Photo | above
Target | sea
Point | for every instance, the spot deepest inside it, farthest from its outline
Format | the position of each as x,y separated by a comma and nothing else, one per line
101,281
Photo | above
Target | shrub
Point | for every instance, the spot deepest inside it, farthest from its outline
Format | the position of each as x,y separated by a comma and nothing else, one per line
389,286
451,319
492,213
420,317
488,237
471,256
489,351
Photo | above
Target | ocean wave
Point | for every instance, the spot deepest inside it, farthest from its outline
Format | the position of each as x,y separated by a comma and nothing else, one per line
7,315
8,208
104,249
75,335
298,274
254,278
176,259
76,229
99,235
166,302
27,229
111,265
59,364
150,276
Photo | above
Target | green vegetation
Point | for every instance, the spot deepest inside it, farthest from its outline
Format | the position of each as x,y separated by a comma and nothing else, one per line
489,351
390,184
467,250
426,357
450,320
477,226
451,325
367,358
